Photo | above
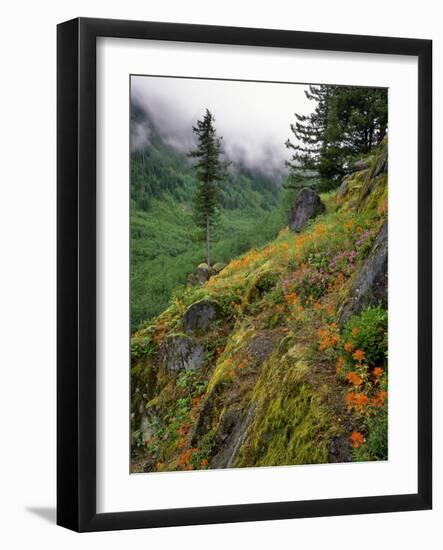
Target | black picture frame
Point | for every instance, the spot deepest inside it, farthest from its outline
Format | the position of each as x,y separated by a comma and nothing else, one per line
76,265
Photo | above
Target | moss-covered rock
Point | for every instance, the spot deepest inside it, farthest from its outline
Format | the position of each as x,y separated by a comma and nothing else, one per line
370,285
201,316
182,352
291,426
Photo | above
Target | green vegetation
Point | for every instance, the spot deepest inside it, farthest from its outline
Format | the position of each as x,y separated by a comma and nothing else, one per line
257,366
165,244
347,123
282,382
210,171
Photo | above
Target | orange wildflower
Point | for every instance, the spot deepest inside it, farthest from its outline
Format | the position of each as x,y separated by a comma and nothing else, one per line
379,399
377,372
291,298
204,462
349,347
356,439
357,401
355,331
354,379
359,355
338,365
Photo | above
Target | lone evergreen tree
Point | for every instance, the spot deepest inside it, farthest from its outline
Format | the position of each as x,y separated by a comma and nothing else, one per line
209,170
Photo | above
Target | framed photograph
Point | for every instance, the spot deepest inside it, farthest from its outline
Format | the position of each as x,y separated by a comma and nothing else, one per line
244,274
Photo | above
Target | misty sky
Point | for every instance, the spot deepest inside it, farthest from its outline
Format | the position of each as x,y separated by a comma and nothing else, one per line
252,117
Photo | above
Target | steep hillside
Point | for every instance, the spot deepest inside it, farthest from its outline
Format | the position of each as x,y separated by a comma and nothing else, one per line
164,248
282,357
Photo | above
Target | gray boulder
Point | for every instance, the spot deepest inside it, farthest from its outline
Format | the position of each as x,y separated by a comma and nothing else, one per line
360,165
192,280
218,267
307,205
371,282
201,316
203,273
343,189
182,352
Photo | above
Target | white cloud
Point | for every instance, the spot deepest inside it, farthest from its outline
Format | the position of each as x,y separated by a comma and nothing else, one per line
252,117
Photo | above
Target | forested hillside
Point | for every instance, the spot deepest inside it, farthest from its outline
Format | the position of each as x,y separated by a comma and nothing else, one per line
164,245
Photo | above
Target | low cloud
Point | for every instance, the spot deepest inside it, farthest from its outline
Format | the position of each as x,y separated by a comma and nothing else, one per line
140,134
252,117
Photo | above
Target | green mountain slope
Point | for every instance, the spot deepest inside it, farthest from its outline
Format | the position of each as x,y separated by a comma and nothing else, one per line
164,247
280,358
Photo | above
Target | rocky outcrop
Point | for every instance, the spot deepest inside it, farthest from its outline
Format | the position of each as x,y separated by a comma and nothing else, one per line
343,189
232,423
219,266
204,272
201,316
231,436
376,179
182,352
361,164
371,282
307,205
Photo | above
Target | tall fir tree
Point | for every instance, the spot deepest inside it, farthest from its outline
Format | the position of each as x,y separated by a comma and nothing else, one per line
346,122
210,169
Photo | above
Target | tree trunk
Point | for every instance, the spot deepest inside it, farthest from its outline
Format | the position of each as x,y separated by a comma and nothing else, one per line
208,258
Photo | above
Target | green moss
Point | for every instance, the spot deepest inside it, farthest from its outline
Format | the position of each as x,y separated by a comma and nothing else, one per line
296,404
223,368
260,283
378,194
291,425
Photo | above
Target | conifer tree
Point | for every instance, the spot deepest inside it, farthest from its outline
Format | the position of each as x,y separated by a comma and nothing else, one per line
210,169
310,151
346,122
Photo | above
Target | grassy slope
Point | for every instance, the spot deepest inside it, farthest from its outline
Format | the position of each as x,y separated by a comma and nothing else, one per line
277,361
164,247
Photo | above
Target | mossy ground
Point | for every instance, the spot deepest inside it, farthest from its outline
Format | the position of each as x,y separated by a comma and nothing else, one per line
277,351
